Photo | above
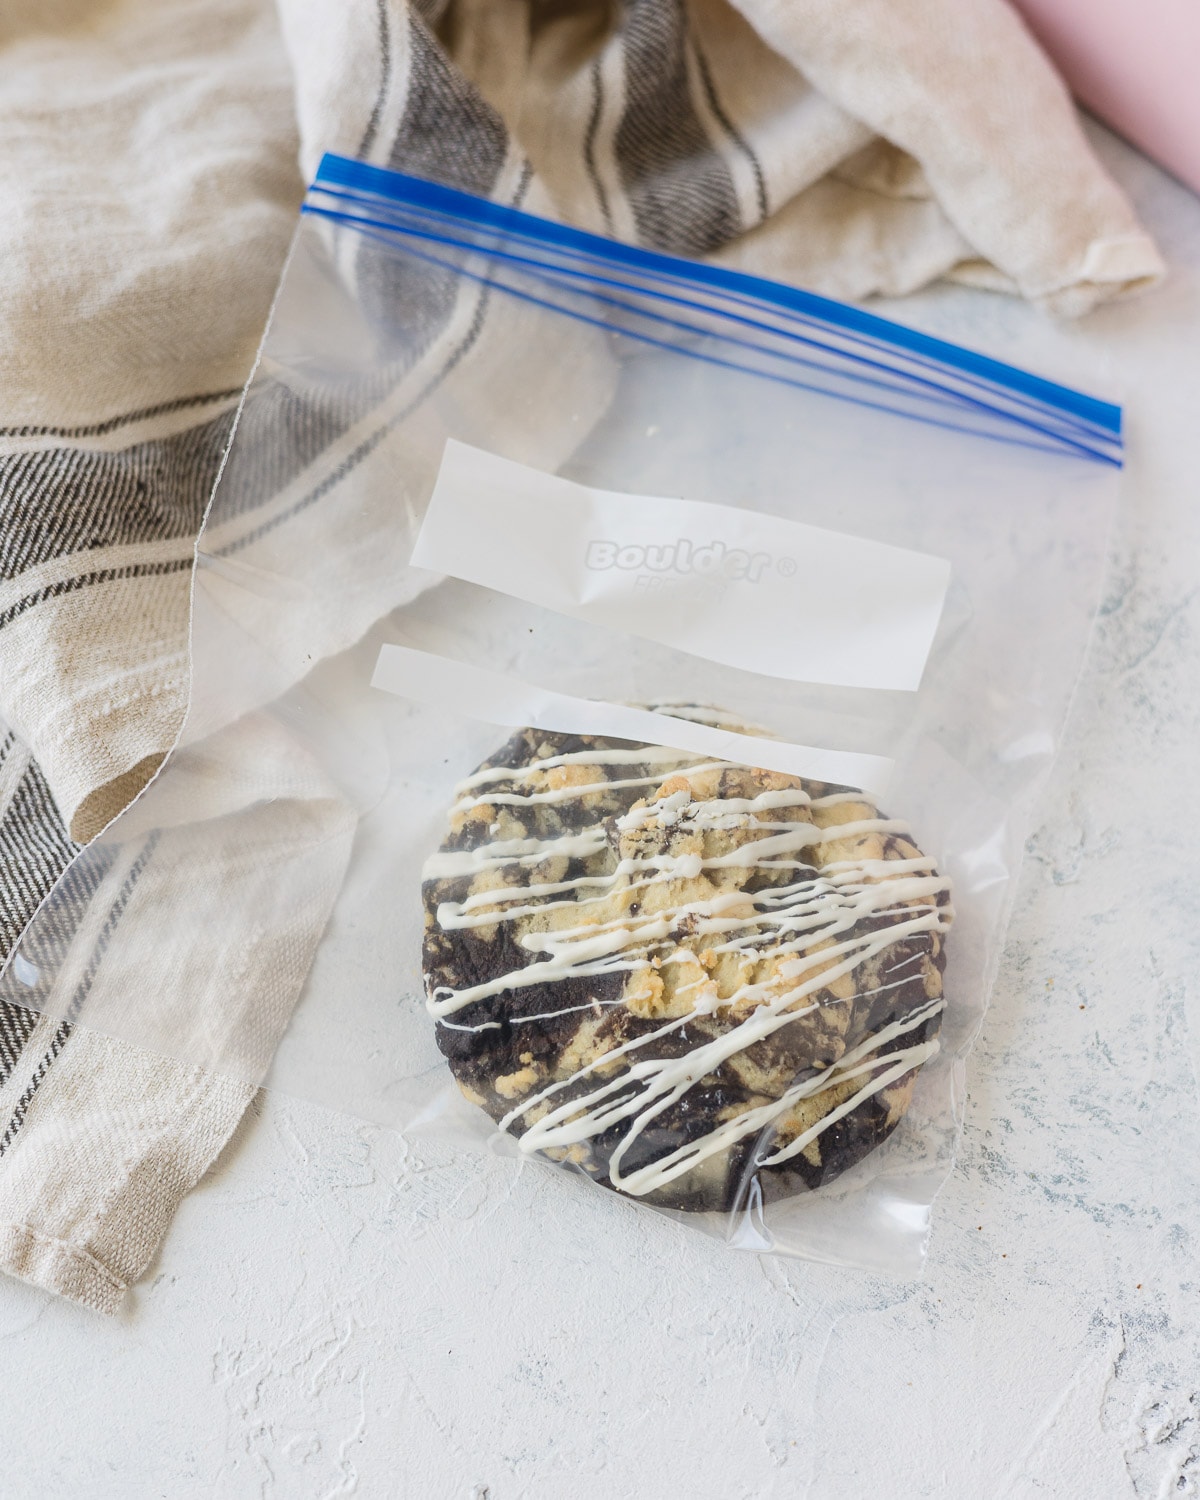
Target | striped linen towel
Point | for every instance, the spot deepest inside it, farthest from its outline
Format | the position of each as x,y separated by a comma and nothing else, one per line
154,154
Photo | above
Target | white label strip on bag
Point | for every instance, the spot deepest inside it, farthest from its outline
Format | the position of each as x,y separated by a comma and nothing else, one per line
498,699
734,586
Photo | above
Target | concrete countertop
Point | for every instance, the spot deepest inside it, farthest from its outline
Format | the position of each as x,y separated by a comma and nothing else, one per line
337,1313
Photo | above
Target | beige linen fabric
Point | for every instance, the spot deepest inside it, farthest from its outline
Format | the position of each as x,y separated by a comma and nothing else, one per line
147,168
102,1159
969,115
152,154
149,187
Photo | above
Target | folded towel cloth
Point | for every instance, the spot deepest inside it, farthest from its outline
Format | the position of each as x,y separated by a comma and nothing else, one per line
149,181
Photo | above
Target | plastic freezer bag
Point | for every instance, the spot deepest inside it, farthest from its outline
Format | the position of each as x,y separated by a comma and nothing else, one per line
620,688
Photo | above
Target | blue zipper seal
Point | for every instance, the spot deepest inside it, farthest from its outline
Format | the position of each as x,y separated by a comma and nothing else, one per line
1073,421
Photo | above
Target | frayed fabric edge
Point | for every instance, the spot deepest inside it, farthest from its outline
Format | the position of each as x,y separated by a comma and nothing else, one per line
55,1266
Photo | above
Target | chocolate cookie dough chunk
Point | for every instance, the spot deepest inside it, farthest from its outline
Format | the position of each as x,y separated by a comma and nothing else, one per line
689,979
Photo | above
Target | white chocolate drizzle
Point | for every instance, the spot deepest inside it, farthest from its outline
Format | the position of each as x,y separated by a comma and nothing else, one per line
848,911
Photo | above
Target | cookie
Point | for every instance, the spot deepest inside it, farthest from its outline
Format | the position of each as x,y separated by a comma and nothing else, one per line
692,980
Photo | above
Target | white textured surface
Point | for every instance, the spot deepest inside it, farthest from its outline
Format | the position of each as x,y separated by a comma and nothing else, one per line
334,1315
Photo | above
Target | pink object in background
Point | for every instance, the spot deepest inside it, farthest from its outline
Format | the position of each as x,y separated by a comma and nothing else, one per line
1135,64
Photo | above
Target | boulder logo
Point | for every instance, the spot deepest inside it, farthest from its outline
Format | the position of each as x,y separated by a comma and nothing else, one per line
683,557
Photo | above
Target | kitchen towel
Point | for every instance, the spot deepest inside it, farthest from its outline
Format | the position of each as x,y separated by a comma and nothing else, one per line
153,154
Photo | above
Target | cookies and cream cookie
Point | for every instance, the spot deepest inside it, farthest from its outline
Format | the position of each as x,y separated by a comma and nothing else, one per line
684,977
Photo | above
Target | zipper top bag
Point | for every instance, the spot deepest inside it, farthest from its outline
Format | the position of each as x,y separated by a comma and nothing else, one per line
642,620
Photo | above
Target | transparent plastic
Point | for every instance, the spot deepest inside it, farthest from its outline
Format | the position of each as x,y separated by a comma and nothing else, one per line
258,910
